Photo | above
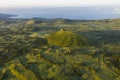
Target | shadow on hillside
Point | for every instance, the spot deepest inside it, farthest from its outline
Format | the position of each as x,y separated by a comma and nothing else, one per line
100,37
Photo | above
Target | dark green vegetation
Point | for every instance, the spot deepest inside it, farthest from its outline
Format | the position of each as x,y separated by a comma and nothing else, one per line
36,49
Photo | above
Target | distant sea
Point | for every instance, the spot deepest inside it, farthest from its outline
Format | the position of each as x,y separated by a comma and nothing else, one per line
65,12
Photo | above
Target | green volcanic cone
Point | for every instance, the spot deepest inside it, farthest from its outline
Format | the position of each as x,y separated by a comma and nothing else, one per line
65,38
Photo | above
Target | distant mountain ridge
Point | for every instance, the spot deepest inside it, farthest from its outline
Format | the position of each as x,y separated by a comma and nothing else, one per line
2,15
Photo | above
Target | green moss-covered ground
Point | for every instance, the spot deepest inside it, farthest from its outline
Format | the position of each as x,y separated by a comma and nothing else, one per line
37,49
66,38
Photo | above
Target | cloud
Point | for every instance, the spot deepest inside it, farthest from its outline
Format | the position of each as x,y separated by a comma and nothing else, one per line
117,10
55,3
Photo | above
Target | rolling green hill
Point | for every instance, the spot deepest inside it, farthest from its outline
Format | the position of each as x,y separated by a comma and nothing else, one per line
66,38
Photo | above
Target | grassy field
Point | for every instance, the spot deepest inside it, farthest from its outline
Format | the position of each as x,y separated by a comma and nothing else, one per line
59,49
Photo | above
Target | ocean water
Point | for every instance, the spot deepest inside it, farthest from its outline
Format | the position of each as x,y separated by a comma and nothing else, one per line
65,12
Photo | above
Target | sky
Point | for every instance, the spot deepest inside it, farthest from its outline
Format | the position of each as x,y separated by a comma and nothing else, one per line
57,3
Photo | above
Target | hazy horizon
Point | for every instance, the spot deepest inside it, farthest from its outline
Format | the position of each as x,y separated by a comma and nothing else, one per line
72,9
66,12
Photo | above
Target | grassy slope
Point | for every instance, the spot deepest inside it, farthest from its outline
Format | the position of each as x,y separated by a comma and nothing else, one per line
65,38
26,57
58,66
